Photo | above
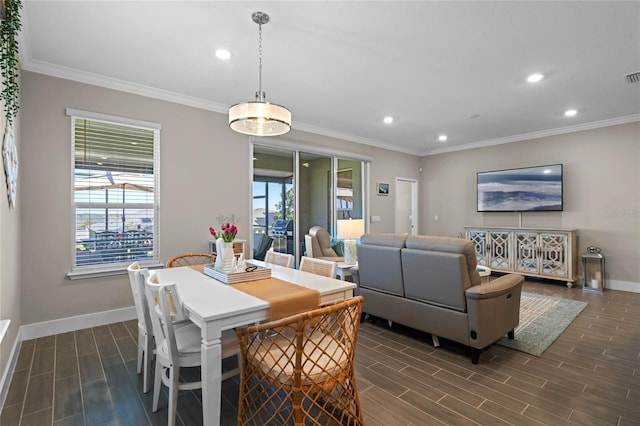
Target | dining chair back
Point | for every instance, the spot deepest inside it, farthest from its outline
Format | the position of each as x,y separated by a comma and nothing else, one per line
172,351
326,268
188,259
276,258
299,370
177,346
137,278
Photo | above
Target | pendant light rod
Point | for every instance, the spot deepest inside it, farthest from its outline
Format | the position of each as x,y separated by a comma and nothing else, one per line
260,18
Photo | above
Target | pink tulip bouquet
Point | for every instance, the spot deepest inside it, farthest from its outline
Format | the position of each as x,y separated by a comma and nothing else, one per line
228,229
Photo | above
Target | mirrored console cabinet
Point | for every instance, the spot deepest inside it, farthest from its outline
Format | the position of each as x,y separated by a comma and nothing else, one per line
544,253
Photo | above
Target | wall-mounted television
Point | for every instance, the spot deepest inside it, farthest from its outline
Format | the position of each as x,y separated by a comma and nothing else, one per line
521,190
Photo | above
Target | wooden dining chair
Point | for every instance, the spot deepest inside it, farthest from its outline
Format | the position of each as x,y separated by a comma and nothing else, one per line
276,258
299,370
317,266
137,277
177,347
188,259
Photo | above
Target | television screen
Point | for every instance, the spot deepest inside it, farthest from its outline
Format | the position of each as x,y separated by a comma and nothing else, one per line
521,190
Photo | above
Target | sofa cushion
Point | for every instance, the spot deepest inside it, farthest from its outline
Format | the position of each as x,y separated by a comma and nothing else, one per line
449,245
382,239
338,247
380,268
435,277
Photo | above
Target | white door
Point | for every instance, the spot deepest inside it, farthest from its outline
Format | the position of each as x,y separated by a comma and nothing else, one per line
406,206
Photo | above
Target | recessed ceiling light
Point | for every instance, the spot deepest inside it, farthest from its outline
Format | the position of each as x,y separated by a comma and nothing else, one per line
570,112
388,120
442,138
534,78
223,54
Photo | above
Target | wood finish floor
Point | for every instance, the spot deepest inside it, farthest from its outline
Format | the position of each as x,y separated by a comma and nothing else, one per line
589,376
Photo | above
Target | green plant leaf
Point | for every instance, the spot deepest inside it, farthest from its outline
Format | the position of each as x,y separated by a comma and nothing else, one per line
9,29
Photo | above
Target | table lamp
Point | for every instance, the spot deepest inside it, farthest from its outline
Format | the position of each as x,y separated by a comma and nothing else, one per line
349,230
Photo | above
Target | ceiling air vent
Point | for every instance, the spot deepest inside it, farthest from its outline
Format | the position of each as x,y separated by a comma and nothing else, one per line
634,77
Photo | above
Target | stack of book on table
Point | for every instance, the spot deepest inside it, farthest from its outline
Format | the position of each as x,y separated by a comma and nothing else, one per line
239,275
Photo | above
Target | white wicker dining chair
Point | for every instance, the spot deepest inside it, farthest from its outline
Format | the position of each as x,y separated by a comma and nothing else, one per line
177,347
317,266
276,258
137,277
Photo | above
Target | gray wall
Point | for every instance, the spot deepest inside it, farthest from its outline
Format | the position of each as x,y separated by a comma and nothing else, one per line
385,166
9,255
204,173
319,169
601,191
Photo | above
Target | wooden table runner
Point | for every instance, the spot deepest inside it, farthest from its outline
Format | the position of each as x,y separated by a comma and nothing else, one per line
285,298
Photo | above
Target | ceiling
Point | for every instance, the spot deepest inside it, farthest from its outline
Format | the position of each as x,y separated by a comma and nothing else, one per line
456,68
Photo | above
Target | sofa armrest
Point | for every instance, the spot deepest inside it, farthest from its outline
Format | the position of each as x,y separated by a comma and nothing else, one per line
493,309
495,288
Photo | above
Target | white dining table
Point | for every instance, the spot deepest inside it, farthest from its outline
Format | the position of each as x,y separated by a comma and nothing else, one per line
215,306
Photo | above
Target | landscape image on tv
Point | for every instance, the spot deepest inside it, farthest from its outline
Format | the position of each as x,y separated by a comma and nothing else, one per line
517,190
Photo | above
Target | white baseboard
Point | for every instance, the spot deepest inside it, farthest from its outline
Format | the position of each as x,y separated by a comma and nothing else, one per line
623,286
63,325
8,371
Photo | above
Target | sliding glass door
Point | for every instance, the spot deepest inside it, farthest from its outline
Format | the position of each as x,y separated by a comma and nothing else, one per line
295,190
273,201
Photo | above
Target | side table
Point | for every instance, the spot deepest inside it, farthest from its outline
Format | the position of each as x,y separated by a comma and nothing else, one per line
238,247
343,270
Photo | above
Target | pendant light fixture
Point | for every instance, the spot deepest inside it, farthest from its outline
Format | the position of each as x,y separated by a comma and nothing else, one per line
259,118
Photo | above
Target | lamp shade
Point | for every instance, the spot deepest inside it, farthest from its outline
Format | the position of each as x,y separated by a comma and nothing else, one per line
348,229
259,119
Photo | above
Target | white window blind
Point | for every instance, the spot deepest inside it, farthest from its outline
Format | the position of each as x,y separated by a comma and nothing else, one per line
115,191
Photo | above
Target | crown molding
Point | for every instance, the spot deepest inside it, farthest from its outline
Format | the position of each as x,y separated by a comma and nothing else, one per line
536,135
121,85
356,139
165,95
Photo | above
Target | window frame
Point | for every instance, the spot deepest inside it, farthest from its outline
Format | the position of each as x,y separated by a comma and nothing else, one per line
95,270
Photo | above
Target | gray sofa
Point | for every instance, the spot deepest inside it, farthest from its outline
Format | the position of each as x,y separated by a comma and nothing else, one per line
431,284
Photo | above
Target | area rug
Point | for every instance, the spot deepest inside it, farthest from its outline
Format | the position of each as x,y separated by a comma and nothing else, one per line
542,320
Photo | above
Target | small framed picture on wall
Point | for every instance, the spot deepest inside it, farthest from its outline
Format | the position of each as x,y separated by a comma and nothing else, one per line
383,188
